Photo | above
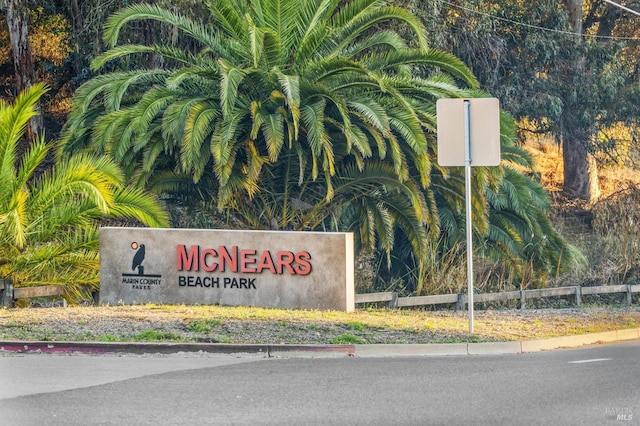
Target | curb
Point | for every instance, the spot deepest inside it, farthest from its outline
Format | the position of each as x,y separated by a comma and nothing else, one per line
498,348
102,348
322,351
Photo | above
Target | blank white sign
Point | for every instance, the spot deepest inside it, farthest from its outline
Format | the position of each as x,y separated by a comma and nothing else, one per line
484,128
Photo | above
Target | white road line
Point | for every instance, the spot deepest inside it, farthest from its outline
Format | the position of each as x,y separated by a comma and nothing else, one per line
584,361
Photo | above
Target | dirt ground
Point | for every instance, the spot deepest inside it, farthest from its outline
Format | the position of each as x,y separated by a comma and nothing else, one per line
273,326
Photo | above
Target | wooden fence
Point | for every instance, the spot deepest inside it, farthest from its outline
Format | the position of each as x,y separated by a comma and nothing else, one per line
9,294
460,300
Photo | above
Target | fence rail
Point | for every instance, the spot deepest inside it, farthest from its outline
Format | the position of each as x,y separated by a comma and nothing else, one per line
9,294
461,300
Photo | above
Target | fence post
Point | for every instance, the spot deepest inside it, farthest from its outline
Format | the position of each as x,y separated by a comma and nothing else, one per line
393,303
6,294
578,295
629,295
95,297
523,303
460,303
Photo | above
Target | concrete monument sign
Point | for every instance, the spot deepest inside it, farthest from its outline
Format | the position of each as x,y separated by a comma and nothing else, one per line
294,270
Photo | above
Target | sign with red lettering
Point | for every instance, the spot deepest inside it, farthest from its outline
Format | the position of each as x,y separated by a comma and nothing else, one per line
302,270
196,258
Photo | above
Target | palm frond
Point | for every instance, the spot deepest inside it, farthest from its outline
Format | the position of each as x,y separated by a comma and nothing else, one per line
382,40
199,126
291,86
135,204
231,77
171,53
357,17
312,22
13,121
135,12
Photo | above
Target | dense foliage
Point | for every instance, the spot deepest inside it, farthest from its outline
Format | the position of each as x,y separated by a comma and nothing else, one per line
306,115
574,77
49,220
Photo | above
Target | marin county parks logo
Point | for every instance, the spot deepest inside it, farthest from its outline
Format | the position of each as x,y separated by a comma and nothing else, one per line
137,279
138,257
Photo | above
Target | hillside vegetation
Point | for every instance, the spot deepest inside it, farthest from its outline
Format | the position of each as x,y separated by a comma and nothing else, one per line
321,116
606,231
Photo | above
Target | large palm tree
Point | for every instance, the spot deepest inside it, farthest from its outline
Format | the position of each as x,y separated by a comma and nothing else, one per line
49,220
291,115
520,234
296,108
512,229
321,80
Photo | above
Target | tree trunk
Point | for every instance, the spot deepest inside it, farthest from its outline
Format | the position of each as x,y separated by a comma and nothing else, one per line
580,171
18,25
574,7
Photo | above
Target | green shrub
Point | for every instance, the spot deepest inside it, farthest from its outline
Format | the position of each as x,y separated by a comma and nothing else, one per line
203,325
155,335
346,339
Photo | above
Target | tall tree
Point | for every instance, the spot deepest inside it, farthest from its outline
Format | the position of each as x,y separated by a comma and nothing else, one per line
552,63
17,18
580,171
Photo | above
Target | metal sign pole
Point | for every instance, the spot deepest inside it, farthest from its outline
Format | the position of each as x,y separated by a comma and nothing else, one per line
467,186
455,150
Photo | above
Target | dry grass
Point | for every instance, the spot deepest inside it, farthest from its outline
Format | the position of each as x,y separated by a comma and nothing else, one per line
548,164
257,325
606,230
547,158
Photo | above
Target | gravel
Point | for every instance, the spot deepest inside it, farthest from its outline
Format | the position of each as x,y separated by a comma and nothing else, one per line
255,325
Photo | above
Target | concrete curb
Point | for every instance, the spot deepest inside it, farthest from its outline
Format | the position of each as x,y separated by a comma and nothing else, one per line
443,349
322,351
98,348
498,348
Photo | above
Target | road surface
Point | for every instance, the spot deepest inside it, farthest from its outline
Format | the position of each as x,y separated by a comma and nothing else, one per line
597,385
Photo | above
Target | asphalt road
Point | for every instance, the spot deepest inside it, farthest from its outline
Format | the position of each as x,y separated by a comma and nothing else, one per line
597,385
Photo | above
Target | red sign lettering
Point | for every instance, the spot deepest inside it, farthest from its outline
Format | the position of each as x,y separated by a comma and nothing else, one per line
247,261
